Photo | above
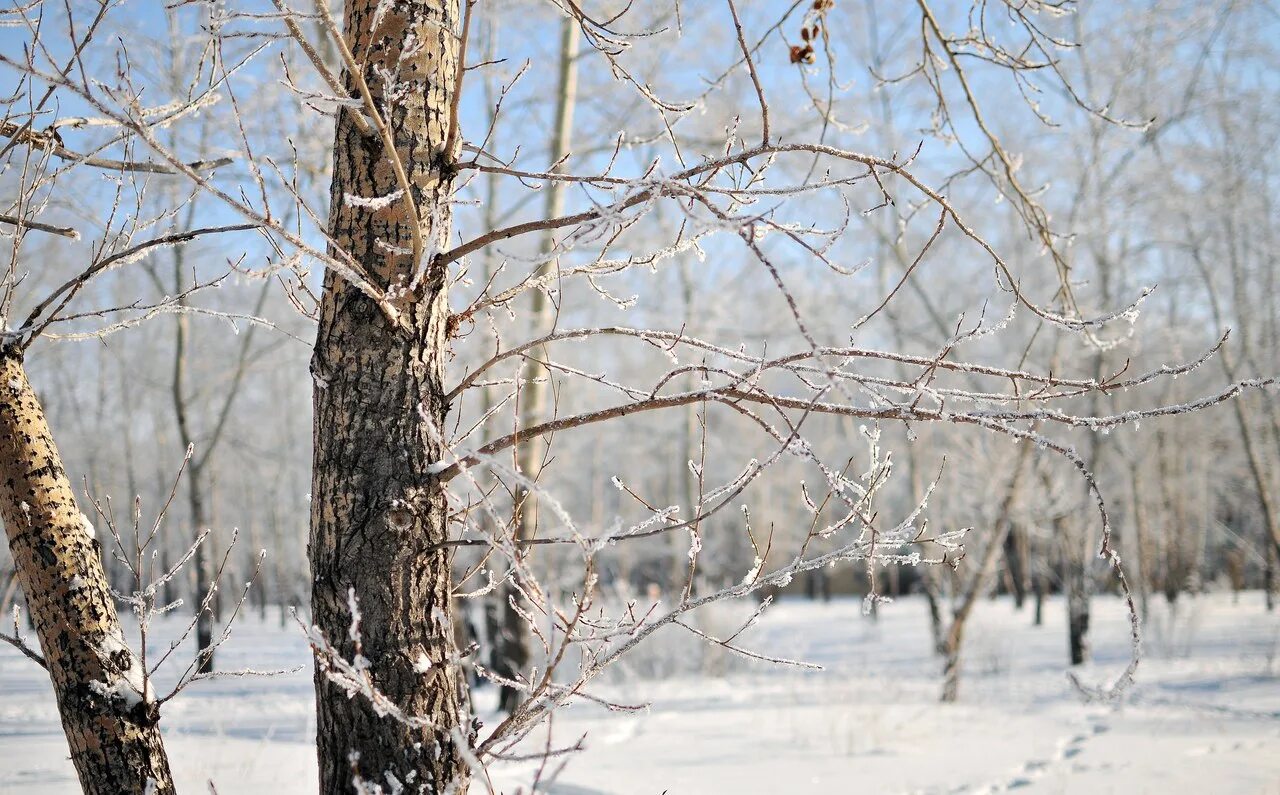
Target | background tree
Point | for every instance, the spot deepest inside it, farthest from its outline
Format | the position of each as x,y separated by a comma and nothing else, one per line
751,305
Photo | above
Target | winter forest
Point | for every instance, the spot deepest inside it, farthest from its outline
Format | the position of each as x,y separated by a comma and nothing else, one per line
686,396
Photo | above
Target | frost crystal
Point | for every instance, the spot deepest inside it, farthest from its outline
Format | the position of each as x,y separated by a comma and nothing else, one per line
375,203
393,783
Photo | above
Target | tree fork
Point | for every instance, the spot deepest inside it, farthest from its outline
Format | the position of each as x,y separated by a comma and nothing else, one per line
110,719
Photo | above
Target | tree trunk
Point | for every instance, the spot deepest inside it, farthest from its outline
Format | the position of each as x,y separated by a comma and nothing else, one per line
1073,567
109,719
1142,578
683,574
201,573
1176,573
1262,476
951,671
1269,579
513,644
936,631
378,513
1015,557
203,564
1037,585
981,577
1077,587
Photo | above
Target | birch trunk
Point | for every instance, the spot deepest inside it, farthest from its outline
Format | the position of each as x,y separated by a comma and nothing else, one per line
111,727
378,513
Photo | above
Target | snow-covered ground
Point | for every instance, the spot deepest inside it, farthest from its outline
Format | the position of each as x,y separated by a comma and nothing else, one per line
1204,716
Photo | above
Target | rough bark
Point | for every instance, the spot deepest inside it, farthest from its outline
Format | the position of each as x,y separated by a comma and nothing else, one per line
111,727
377,509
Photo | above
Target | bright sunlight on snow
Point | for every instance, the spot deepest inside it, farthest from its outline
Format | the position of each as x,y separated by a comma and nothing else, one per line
1204,715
